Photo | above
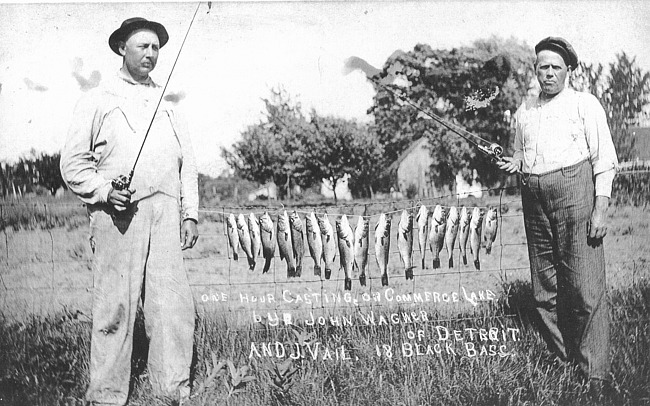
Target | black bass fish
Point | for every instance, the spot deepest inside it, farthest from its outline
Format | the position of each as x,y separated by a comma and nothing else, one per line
490,230
267,234
245,240
382,246
451,233
256,238
475,226
437,234
422,218
329,245
405,242
346,242
233,237
465,217
285,245
298,240
361,242
314,241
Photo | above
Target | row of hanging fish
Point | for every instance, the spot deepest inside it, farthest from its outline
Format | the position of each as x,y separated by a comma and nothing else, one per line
436,229
446,226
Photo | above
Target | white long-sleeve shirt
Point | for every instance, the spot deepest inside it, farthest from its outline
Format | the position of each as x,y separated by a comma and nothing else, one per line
565,130
107,130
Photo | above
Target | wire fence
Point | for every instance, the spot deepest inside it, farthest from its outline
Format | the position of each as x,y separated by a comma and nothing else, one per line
50,265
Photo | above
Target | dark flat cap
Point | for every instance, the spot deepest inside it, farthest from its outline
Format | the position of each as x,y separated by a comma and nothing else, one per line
133,24
561,47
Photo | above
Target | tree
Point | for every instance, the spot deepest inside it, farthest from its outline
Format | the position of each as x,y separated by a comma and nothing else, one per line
368,159
336,148
628,90
48,173
289,149
270,150
440,81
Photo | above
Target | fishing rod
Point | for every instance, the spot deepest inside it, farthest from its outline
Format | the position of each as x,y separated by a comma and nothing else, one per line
123,182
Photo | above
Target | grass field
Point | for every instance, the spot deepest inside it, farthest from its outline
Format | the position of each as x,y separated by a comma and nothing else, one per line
44,336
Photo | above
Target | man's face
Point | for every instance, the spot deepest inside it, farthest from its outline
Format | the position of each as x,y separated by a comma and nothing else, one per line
551,72
140,53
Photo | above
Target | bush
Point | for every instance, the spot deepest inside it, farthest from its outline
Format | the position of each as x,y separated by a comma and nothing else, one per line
631,189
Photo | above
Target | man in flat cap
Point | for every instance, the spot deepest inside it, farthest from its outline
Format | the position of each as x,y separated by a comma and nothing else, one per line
135,232
564,149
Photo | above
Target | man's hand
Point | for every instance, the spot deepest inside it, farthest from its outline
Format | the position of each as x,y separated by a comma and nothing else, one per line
120,199
597,226
509,164
189,234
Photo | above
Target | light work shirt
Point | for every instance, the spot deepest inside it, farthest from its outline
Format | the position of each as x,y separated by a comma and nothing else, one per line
108,126
563,131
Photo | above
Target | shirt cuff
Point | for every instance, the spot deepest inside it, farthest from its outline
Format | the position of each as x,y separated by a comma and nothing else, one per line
103,192
191,214
604,182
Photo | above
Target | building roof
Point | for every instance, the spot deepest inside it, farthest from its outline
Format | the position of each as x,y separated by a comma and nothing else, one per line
415,145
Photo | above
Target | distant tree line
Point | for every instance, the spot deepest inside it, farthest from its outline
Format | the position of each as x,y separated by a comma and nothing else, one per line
34,173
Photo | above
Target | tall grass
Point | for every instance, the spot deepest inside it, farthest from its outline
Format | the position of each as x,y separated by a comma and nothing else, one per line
44,361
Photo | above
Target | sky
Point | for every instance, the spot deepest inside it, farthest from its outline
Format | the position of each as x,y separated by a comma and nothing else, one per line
236,52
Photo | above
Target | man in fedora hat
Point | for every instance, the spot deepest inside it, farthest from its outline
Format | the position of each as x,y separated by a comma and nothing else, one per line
135,232
564,148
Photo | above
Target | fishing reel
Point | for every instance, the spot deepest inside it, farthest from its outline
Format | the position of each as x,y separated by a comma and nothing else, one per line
122,182
494,151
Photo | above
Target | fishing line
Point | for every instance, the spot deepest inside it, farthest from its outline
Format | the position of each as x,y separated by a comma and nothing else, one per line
123,182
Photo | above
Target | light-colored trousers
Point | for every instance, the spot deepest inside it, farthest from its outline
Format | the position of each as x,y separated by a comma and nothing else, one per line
568,270
136,247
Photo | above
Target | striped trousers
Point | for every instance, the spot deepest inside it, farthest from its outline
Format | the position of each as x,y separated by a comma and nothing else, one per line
568,270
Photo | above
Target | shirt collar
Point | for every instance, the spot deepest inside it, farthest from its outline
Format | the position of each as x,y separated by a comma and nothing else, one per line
559,96
128,79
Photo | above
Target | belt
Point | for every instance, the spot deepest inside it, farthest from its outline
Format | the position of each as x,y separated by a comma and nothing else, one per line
525,176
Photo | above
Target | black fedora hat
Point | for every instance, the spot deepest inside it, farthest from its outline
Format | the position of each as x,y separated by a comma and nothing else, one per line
561,47
133,24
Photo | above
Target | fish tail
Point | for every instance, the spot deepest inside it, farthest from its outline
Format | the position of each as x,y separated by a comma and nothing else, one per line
451,262
291,271
362,279
409,273
348,284
316,270
267,265
436,263
251,264
384,280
